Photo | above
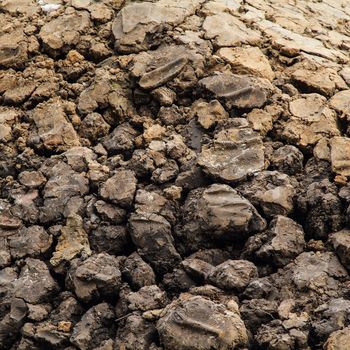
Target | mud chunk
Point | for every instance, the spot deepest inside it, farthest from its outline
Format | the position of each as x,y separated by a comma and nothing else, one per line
35,284
121,140
260,121
217,213
340,102
63,185
72,242
13,48
151,234
137,272
31,241
120,188
233,154
330,317
136,334
191,322
161,75
272,191
11,324
208,114
31,179
322,208
338,340
285,242
256,312
18,94
27,7
166,173
311,120
197,269
317,270
64,31
136,23
235,90
93,127
55,132
233,274
276,335
341,243
164,96
96,326
323,81
340,147
147,298
287,159
227,30
171,116
110,239
94,96
110,212
247,60
96,277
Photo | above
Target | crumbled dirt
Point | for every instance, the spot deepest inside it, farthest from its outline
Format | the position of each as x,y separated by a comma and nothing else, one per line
174,175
